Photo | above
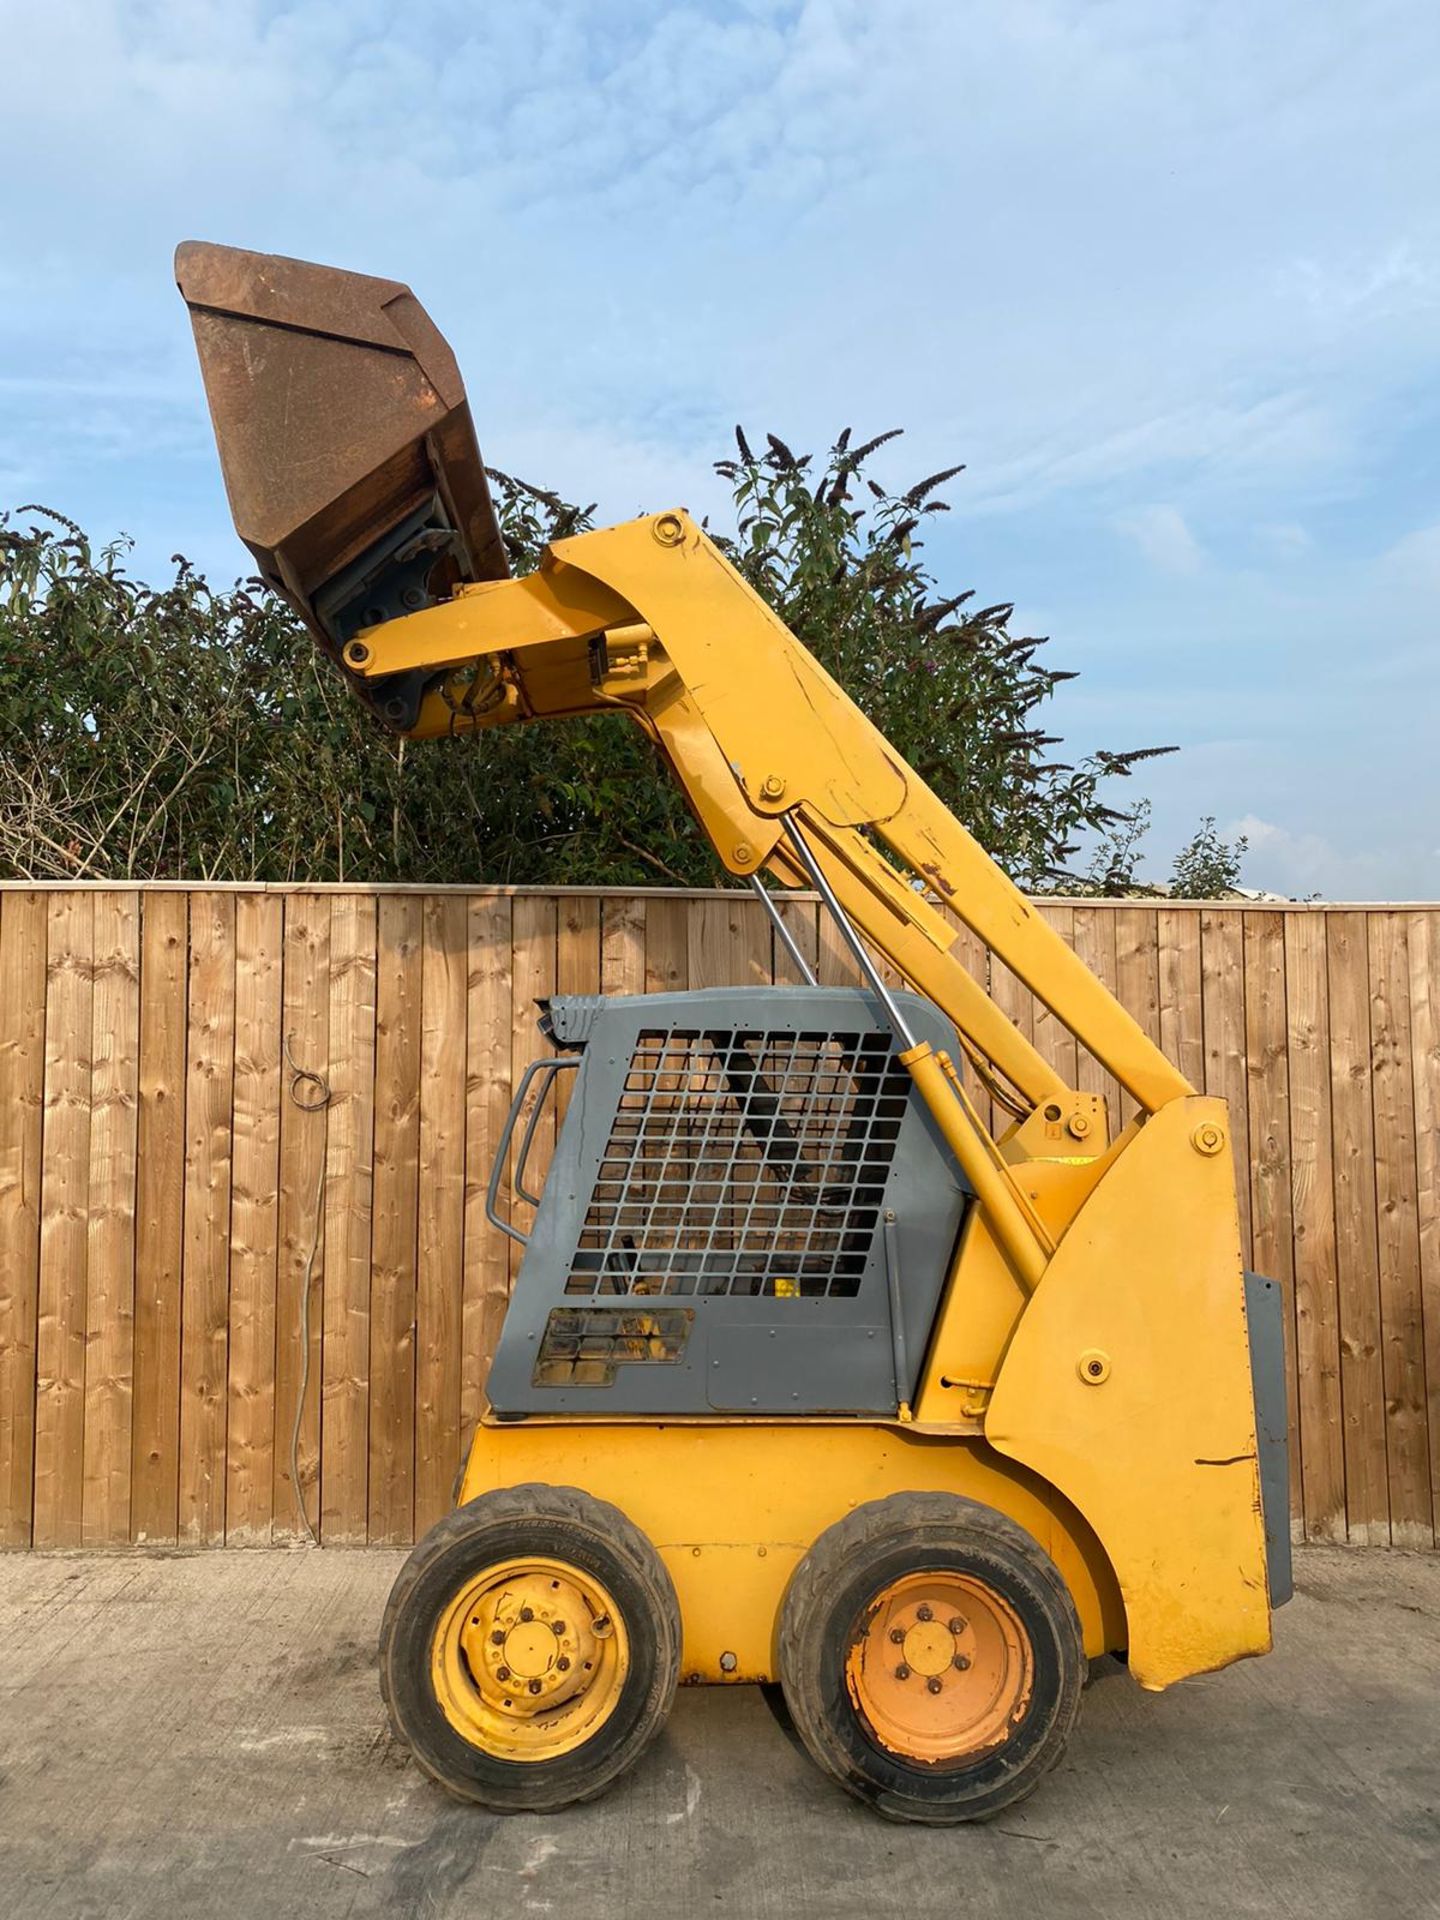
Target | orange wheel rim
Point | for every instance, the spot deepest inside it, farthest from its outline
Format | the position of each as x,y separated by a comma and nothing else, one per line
941,1669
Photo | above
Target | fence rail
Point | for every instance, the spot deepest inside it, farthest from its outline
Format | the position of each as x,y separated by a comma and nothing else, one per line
168,1186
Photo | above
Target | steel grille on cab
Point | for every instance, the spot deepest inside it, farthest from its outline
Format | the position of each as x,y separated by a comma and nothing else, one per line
743,1163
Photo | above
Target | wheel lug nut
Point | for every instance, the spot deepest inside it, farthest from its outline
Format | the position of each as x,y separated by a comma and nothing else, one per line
502,1673
535,1686
902,1672
897,1634
961,1663
563,1664
527,1613
957,1625
557,1627
923,1613
932,1686
497,1638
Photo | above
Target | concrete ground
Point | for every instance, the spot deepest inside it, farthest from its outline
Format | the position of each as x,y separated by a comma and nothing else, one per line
188,1735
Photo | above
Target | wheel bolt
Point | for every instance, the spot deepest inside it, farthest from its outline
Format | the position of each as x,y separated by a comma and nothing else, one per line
897,1634
557,1627
535,1686
502,1673
902,1672
957,1625
961,1663
563,1663
932,1686
923,1613
497,1638
527,1613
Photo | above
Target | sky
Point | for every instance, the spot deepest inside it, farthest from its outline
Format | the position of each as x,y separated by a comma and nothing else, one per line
1165,276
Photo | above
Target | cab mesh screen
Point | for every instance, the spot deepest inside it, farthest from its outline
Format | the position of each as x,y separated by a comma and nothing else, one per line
743,1163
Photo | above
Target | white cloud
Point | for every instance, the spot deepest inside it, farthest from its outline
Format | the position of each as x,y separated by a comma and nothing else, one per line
1162,536
1284,540
1414,560
1281,860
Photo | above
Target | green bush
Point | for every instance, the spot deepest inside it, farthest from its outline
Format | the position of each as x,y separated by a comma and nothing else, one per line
188,732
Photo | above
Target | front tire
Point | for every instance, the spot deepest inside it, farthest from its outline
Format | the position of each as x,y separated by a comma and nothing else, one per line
530,1649
931,1658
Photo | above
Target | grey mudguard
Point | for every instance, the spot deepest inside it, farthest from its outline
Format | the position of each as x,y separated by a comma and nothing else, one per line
710,1237
1264,1314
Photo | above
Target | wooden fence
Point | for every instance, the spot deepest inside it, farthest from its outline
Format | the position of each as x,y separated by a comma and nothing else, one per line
159,1178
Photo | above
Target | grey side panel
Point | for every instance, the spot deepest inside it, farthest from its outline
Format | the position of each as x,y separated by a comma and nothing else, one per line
1264,1312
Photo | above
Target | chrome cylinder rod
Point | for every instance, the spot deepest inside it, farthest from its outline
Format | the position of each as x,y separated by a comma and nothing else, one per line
786,938
848,934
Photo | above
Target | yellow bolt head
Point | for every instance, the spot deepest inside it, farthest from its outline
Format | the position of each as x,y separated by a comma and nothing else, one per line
668,530
1079,1124
1093,1366
773,786
1208,1138
743,854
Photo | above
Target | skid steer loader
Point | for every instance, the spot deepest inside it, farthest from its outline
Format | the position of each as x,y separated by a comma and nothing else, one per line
806,1376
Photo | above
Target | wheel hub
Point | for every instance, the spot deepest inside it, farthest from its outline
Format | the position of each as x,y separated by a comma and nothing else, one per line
929,1647
940,1669
531,1643
528,1659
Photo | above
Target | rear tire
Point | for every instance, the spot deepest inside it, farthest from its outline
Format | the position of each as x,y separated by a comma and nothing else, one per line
530,1649
931,1658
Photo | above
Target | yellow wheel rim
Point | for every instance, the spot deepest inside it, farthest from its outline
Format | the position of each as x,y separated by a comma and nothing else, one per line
941,1670
529,1659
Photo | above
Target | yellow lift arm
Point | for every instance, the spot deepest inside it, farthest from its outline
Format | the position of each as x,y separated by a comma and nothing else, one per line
1093,1328
787,776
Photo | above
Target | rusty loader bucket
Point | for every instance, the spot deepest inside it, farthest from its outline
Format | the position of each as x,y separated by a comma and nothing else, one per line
346,442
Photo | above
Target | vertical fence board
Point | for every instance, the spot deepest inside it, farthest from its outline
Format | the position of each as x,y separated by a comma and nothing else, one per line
1424,943
64,1204
439,1277
205,1289
489,994
304,1125
1362,1379
802,923
22,1094
398,1033
622,944
1267,1078
1222,990
1317,1299
667,946
349,1185
110,1280
1182,1023
1401,1310
254,1220
1137,978
577,969
835,965
159,1216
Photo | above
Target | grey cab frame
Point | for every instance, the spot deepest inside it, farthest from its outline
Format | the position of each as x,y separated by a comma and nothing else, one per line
749,1209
